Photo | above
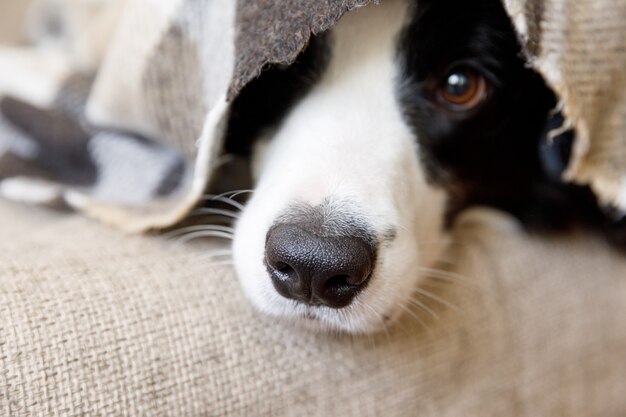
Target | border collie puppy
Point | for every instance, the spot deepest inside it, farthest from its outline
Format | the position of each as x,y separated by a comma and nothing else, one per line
365,149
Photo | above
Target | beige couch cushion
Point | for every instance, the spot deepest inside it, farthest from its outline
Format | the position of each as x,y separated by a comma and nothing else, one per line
93,322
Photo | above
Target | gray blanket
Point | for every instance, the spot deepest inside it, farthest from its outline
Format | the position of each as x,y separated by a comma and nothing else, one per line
118,107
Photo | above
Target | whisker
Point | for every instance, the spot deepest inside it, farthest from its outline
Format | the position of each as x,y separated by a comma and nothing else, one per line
424,307
415,316
220,212
200,228
189,233
450,276
213,255
439,300
225,200
200,234
234,193
214,264
220,252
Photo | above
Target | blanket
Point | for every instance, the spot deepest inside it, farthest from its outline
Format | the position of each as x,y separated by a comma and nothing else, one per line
118,108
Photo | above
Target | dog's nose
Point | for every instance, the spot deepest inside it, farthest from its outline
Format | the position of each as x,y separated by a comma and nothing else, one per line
317,270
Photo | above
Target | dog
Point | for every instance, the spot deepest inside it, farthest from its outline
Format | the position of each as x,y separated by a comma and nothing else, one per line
365,150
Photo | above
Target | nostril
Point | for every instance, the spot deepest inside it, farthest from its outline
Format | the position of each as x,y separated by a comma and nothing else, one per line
283,272
340,282
287,281
284,268
339,290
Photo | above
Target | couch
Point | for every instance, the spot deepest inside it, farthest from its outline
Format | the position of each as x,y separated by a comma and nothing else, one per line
94,322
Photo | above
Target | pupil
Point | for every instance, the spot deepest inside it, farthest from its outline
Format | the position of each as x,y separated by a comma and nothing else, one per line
458,84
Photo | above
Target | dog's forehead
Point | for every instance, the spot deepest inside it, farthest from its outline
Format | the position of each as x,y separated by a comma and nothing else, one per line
361,69
361,48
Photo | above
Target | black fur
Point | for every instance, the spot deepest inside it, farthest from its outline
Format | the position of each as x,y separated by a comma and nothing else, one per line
498,153
266,100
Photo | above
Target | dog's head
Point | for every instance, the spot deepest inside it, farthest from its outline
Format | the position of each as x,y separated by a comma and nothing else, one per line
366,147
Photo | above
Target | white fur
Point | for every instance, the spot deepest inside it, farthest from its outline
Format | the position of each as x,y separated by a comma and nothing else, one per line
347,142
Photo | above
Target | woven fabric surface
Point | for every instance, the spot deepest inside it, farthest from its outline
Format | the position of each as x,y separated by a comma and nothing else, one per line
97,323
580,48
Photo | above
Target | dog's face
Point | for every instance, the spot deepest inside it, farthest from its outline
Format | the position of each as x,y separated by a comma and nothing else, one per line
403,114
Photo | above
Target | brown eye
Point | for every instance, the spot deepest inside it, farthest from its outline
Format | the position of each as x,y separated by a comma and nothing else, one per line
462,89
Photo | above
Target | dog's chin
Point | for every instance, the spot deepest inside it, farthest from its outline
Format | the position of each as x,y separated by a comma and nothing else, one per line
366,314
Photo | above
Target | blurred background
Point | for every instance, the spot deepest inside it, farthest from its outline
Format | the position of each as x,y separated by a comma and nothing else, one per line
11,20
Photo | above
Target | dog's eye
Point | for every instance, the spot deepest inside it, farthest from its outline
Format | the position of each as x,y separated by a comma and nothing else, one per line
462,89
